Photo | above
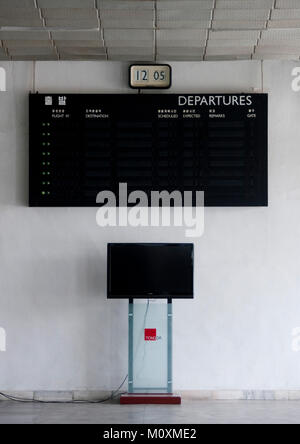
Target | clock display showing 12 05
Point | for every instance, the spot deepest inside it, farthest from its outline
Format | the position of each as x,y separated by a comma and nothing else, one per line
150,76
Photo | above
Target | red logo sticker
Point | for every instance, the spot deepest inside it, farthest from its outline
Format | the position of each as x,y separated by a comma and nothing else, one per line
150,334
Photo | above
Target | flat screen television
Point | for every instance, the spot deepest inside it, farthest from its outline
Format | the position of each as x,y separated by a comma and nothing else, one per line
147,270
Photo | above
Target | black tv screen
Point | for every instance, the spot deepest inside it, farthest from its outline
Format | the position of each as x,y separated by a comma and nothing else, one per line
150,270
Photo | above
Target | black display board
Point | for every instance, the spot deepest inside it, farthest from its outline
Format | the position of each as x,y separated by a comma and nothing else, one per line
81,144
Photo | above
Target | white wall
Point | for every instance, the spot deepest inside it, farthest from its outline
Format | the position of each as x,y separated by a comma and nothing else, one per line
63,334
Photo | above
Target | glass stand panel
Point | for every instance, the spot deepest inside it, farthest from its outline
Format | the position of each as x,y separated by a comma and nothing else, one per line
150,346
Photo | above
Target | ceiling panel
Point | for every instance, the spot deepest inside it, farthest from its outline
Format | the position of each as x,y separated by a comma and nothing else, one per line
130,50
179,58
76,35
281,34
128,37
26,43
35,57
287,4
25,22
132,58
275,56
185,14
284,24
241,14
69,13
26,4
126,14
65,3
79,43
221,58
72,24
127,24
230,42
244,4
183,4
234,35
24,35
239,24
230,50
184,24
17,51
178,29
19,12
279,14
125,4
69,50
82,57
197,51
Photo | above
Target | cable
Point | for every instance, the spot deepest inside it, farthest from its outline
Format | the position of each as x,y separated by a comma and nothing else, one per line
112,396
114,393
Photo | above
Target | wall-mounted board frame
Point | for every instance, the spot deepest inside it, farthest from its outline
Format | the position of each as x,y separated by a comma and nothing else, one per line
81,144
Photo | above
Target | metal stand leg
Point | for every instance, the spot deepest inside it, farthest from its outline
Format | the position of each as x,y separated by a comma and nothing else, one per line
130,347
170,376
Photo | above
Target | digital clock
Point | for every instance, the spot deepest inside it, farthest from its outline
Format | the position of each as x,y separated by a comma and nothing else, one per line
150,76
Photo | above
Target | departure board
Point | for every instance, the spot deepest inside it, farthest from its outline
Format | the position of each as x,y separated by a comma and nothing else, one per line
81,144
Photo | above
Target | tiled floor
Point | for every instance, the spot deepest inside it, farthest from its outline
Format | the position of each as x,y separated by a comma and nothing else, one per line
191,411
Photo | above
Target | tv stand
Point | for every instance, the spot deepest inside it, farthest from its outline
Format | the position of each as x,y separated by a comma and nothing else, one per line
150,379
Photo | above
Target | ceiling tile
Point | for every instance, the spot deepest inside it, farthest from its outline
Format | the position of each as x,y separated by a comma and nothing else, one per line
280,34
238,24
184,14
130,50
230,50
24,22
69,13
241,14
275,56
26,43
66,3
279,14
179,58
69,50
26,4
191,51
284,23
125,4
278,49
181,34
76,35
19,13
83,57
35,57
32,51
72,24
183,4
238,35
230,42
226,57
24,35
293,4
128,37
126,14
127,24
131,58
184,24
79,43
244,4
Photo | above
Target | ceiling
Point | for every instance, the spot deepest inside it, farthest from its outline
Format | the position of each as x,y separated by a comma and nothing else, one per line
143,30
